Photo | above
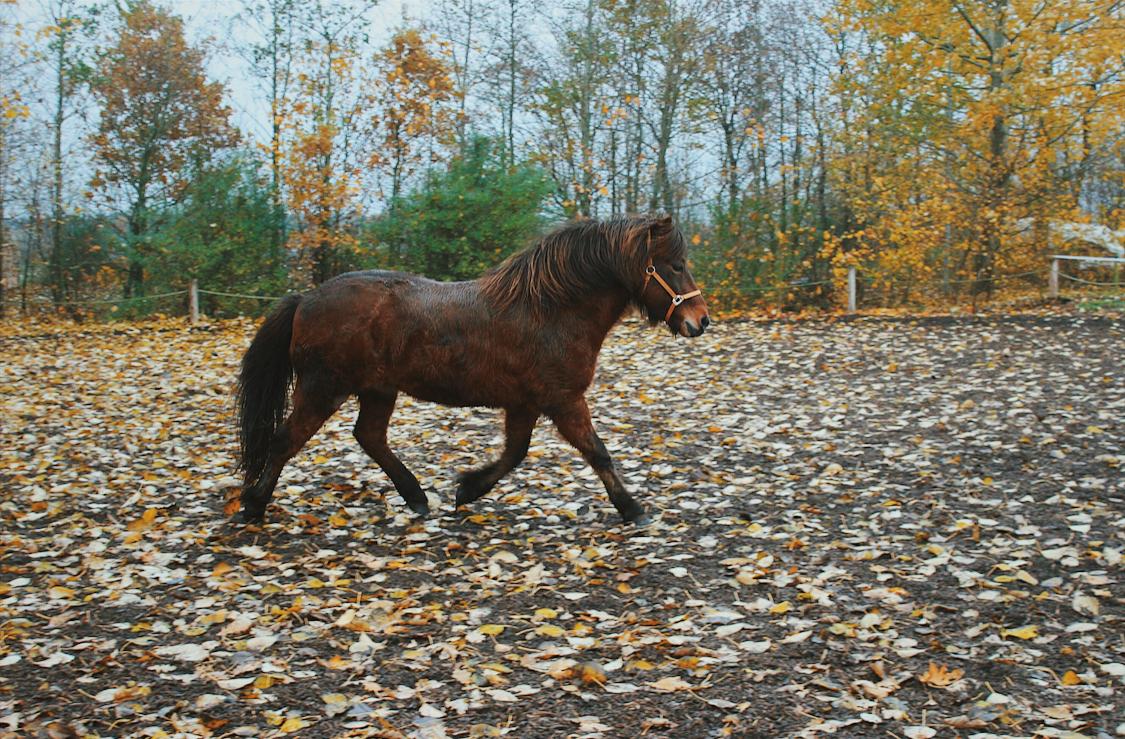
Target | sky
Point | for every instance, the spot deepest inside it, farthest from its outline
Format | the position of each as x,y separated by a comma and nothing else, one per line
215,19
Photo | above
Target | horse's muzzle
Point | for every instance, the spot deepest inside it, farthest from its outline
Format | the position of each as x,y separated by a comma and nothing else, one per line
691,329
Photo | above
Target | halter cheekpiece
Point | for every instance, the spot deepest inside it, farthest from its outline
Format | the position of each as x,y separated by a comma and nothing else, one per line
677,299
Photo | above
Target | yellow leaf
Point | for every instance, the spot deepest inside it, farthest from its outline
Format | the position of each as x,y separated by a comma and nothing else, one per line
491,629
1024,632
144,522
588,672
546,613
782,607
1070,677
293,723
221,569
550,630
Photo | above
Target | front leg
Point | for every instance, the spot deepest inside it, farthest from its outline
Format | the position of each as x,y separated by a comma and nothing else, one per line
573,422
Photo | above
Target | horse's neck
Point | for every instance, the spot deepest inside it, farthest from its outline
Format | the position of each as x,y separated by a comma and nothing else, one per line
598,314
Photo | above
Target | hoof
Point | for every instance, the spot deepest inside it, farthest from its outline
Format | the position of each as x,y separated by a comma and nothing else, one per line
464,496
248,517
467,490
421,507
637,517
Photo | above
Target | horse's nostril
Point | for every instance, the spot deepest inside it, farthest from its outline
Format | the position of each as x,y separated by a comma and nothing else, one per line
705,322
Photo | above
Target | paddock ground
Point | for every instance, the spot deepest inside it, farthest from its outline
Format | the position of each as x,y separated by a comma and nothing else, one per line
900,527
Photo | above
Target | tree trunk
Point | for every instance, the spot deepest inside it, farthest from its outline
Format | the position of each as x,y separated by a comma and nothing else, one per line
58,287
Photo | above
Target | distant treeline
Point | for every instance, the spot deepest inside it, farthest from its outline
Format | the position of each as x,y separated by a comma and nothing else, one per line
930,143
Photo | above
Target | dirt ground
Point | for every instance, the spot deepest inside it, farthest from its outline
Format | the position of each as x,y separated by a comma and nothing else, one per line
871,527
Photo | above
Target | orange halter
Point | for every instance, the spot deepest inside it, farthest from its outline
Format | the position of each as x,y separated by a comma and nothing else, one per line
650,272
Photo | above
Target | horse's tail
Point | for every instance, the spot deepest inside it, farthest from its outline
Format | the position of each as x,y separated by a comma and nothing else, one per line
263,387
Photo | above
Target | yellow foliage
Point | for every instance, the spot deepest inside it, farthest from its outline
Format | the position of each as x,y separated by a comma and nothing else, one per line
957,116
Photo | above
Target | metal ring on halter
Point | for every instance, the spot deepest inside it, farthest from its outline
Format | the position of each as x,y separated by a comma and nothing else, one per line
676,300
650,270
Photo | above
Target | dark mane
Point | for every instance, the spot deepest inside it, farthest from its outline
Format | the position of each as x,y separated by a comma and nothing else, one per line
580,257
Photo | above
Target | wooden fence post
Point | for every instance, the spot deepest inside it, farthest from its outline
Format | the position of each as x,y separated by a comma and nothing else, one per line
851,290
193,301
1053,281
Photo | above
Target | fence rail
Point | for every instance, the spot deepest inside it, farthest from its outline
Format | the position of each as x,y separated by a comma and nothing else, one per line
193,290
1056,272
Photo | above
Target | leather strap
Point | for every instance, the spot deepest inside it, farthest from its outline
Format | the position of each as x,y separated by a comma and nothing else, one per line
677,299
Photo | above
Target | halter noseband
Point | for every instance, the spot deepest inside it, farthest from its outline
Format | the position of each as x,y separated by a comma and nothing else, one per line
677,299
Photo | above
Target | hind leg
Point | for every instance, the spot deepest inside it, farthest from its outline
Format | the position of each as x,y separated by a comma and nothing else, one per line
371,432
518,425
310,410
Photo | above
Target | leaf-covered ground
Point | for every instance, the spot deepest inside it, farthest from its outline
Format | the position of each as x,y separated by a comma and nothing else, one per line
900,527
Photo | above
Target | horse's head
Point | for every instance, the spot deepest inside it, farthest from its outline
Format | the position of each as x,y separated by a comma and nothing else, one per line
669,292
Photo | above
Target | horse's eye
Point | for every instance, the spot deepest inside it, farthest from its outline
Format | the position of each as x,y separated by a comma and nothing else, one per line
679,267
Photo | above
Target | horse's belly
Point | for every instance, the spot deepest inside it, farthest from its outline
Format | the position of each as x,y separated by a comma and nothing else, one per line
459,390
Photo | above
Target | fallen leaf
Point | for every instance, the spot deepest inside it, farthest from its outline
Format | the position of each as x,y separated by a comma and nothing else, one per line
940,676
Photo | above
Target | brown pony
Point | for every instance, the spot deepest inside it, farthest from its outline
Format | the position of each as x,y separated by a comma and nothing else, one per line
524,337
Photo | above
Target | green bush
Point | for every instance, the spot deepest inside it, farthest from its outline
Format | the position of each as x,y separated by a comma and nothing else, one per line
224,234
464,219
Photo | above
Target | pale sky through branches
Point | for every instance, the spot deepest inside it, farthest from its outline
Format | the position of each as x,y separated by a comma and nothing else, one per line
218,21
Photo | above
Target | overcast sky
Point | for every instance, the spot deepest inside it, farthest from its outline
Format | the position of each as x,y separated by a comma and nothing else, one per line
216,19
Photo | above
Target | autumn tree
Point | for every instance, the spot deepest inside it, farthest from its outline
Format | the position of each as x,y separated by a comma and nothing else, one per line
161,122
272,59
14,112
415,119
67,34
510,67
573,104
732,77
327,137
987,111
669,67
463,27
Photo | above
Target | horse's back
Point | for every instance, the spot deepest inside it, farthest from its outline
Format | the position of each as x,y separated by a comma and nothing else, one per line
388,332
374,330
